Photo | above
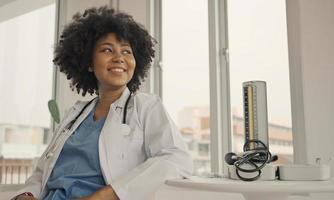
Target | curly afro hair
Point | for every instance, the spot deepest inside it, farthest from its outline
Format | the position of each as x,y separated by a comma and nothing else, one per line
73,53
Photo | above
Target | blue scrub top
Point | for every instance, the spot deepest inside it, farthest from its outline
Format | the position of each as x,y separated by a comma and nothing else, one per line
77,172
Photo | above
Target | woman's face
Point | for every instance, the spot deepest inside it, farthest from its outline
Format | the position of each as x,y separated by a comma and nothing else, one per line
113,62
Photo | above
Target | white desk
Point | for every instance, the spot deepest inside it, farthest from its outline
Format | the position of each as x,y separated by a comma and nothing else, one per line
256,190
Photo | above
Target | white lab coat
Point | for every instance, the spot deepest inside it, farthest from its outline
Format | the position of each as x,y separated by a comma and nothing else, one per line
135,158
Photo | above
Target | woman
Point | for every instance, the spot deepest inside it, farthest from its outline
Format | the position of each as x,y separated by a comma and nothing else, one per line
122,144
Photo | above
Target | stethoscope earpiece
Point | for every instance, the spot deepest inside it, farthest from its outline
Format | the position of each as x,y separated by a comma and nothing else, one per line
231,158
273,159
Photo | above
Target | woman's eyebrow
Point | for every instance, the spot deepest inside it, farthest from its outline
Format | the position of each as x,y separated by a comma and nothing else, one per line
106,43
111,44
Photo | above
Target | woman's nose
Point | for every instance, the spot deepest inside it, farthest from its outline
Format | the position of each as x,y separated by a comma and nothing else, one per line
117,57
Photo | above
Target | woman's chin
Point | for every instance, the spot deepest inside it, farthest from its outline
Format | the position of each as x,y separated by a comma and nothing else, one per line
114,86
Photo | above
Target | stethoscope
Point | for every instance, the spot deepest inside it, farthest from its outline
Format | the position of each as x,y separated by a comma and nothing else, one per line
69,127
82,110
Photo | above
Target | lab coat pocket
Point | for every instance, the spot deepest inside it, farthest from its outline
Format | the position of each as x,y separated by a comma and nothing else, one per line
135,148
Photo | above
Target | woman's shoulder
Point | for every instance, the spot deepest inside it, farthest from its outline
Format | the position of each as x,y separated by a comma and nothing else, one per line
143,97
79,104
76,107
146,100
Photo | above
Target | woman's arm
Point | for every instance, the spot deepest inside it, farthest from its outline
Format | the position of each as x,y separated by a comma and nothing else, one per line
25,197
167,154
105,193
33,184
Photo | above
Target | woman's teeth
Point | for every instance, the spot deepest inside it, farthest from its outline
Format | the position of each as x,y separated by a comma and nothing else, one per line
117,70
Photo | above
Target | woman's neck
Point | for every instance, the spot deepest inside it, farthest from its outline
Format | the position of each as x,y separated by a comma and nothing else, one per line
107,97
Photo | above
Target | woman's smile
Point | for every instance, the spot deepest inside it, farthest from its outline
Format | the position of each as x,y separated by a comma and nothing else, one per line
117,69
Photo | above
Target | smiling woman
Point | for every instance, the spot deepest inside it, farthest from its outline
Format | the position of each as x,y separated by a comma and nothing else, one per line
94,154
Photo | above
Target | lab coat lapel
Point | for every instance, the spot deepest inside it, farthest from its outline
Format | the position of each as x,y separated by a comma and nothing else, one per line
66,133
113,143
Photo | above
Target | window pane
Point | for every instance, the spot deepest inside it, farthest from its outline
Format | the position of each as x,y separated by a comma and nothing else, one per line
26,72
258,51
186,74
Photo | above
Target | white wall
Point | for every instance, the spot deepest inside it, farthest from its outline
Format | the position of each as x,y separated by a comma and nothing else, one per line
13,8
311,42
311,49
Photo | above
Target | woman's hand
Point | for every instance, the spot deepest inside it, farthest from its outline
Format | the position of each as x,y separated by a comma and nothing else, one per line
105,193
25,197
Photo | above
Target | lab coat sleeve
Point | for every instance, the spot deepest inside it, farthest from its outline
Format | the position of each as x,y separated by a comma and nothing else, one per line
166,151
34,183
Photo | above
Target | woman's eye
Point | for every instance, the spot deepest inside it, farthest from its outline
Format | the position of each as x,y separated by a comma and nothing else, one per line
127,52
107,50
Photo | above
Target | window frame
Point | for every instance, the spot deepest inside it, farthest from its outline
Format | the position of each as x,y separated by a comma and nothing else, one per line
296,87
220,132
156,71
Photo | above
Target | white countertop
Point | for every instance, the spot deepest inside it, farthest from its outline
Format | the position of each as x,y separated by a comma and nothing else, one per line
257,189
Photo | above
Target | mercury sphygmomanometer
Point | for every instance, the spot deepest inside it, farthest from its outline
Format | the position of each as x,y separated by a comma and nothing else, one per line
256,154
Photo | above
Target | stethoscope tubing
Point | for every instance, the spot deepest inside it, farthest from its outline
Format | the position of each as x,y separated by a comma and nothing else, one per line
124,111
69,127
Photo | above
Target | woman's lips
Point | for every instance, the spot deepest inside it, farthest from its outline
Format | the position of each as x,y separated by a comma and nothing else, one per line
116,69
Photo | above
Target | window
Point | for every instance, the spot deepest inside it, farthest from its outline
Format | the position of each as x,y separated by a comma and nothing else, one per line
26,73
258,51
185,86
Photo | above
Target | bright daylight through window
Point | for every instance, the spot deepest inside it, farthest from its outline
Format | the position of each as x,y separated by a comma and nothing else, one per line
186,74
26,72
